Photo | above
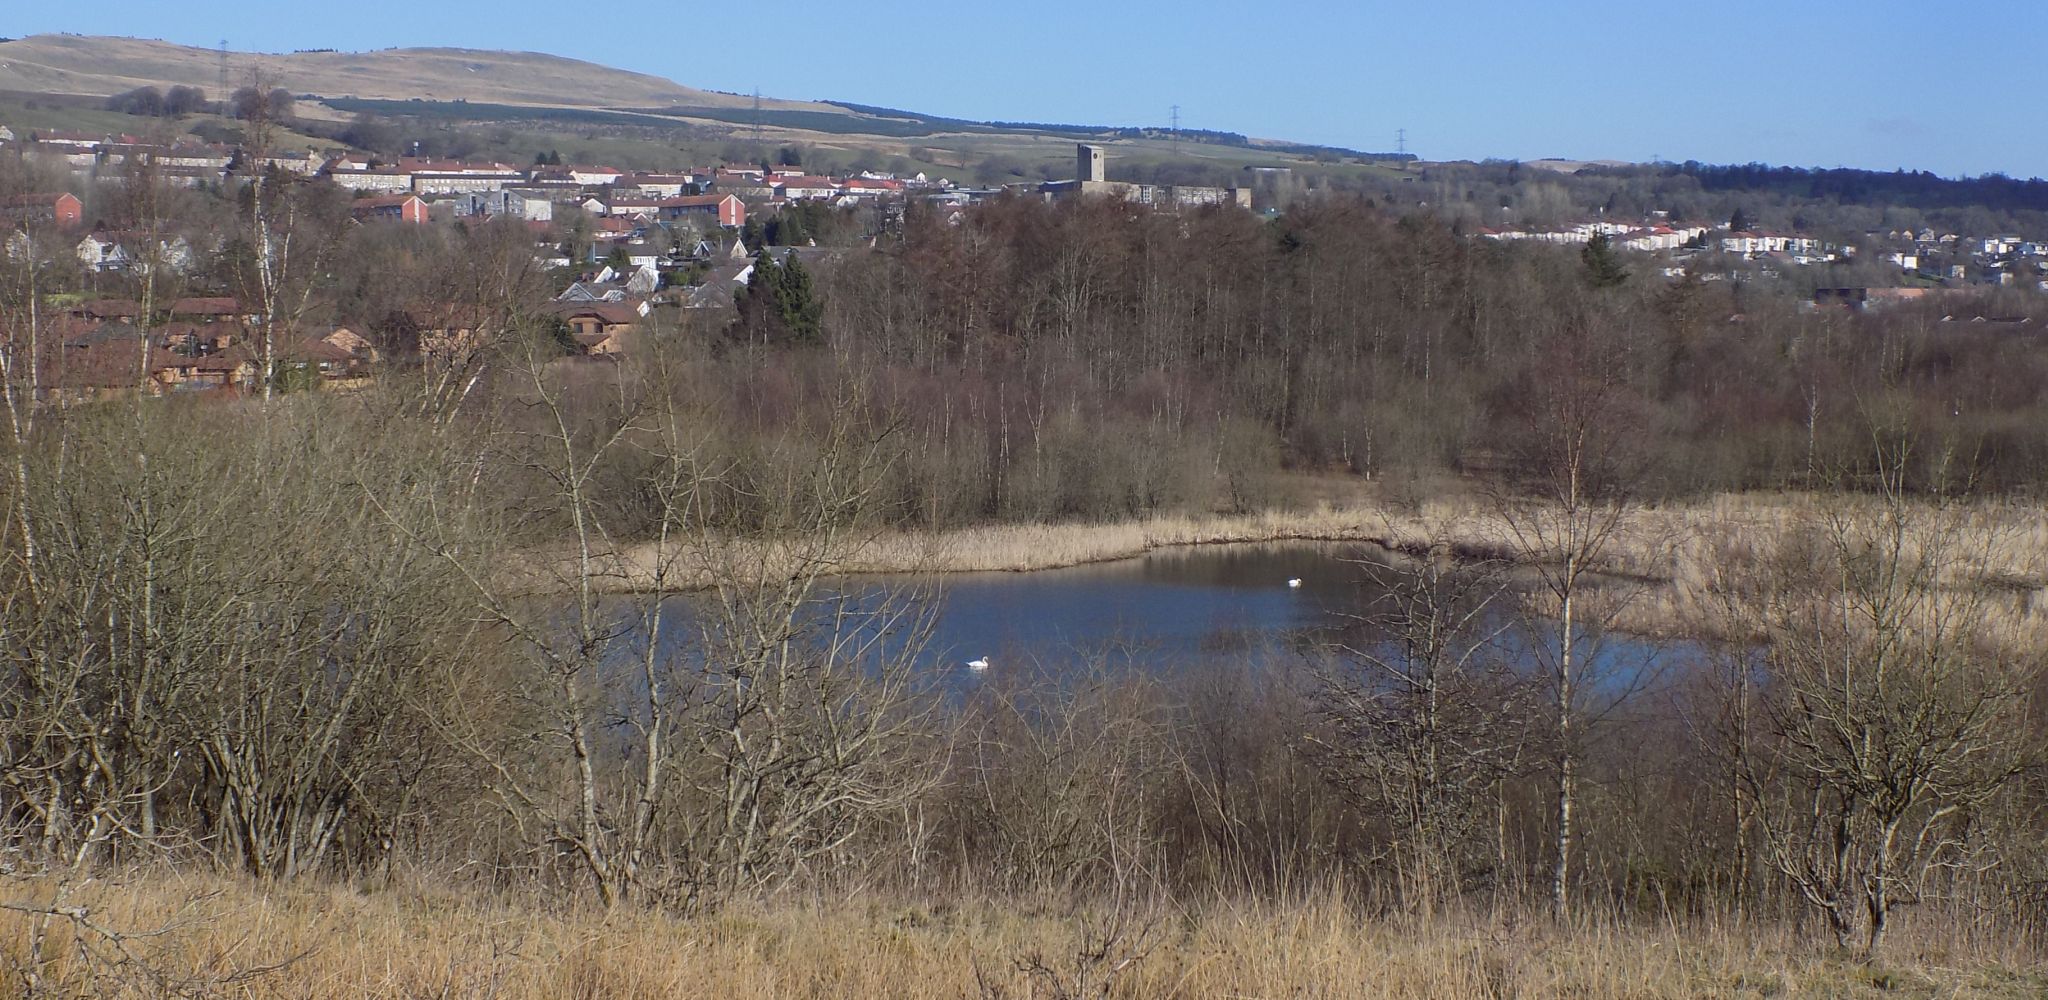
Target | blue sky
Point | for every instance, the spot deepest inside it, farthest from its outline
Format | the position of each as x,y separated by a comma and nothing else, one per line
1957,89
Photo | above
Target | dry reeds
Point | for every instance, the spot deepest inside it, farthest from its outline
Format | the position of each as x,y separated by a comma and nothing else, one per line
334,942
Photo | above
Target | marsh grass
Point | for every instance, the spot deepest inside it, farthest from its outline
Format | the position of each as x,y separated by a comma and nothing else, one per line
416,941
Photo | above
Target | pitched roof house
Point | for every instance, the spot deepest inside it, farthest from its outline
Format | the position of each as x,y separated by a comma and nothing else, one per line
406,208
62,208
601,327
727,208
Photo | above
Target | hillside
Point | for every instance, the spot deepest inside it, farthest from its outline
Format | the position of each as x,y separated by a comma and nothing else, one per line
99,66
562,104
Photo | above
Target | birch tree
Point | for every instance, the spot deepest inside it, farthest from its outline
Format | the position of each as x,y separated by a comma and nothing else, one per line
1576,491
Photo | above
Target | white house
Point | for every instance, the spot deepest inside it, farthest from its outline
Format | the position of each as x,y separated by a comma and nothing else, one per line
806,188
109,251
594,176
303,164
654,185
1755,243
630,207
646,280
101,252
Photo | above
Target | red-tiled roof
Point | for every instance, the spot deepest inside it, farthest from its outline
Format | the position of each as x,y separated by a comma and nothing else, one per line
27,200
689,200
108,308
611,313
216,306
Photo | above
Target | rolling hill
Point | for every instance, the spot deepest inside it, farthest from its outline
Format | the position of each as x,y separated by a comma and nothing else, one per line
99,66
526,102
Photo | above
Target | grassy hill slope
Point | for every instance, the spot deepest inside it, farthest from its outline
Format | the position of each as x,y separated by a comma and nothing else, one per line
99,65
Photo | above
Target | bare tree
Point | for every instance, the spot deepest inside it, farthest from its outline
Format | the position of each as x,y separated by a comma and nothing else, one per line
290,241
31,255
226,657
808,722
1577,491
691,748
1423,716
1894,691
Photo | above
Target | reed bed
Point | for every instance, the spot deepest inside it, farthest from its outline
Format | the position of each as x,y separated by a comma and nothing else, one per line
1668,542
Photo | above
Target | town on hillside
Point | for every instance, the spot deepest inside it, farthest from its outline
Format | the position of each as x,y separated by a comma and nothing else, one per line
622,246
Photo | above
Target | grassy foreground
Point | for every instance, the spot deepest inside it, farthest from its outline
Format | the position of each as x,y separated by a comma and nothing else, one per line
334,942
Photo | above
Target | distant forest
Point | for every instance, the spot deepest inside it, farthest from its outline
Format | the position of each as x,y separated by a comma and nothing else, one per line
1840,204
1903,188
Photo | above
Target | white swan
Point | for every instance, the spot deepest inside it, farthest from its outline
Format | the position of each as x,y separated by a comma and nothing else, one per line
1294,584
980,664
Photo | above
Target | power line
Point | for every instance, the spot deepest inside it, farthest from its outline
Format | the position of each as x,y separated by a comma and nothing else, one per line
1176,128
1401,141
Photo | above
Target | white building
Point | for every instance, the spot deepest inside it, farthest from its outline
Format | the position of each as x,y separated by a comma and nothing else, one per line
528,206
388,180
594,176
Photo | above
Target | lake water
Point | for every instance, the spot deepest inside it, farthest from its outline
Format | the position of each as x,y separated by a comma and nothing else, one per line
1168,609
1195,606
1183,609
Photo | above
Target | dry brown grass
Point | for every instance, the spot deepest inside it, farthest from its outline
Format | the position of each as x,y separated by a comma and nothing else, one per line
427,943
1026,547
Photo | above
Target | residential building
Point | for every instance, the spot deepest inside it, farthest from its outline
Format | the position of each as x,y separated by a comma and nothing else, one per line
406,208
385,179
601,327
525,204
803,187
62,209
728,209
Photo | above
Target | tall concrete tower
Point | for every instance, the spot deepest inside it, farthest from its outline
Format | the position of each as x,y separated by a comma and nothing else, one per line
1088,163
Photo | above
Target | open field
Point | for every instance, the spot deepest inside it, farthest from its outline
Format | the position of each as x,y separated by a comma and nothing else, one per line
336,942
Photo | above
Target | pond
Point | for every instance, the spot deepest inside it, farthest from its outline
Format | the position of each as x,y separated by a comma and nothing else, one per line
1169,609
1181,611
1181,608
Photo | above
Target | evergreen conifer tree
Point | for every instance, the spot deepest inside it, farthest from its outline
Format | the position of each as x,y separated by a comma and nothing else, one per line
1603,267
